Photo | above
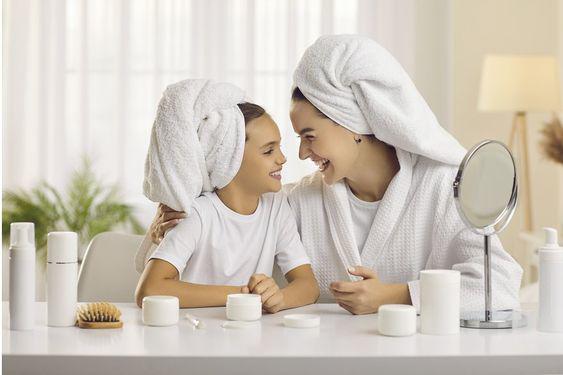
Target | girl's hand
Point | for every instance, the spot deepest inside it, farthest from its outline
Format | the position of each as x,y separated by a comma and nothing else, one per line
266,287
365,296
165,219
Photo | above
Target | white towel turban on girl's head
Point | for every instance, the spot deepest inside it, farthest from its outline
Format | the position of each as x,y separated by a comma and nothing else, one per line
359,85
197,142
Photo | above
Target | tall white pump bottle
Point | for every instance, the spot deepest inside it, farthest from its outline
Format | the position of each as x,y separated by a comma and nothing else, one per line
550,313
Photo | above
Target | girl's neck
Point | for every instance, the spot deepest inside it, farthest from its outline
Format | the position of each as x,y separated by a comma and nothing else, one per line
238,199
376,166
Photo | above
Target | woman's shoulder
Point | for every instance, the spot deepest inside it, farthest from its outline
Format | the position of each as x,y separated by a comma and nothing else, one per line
429,171
310,184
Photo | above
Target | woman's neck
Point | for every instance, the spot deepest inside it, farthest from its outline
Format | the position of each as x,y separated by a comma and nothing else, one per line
238,200
376,166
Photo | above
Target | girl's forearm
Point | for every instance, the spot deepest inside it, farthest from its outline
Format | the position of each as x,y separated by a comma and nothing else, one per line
300,292
192,295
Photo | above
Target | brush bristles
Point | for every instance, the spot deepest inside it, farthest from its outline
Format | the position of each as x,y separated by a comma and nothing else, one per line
99,312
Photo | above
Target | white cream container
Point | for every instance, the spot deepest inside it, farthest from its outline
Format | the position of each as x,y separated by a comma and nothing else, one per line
160,311
396,320
244,307
439,302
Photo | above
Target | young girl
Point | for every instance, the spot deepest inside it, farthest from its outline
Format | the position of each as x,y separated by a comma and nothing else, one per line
230,240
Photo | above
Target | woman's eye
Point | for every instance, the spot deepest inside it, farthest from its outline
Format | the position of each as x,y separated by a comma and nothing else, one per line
269,152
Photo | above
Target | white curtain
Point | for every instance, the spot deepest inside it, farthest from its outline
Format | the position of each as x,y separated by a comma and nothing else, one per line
84,77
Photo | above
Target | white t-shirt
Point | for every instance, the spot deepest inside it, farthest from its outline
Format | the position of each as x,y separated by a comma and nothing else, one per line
218,246
363,214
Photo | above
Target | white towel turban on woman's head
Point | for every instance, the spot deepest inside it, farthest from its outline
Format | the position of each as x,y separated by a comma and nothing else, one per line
197,142
359,85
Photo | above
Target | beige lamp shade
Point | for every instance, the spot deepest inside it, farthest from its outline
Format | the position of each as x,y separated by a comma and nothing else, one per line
519,83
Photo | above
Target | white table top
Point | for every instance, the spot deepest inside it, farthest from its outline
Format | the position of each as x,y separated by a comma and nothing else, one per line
343,342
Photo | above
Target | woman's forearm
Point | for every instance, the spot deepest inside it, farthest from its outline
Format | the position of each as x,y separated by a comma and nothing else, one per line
189,294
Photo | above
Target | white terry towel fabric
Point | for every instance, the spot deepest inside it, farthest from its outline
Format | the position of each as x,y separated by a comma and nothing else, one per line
197,144
359,85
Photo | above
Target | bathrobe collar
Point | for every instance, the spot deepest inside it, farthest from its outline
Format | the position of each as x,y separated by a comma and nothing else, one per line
388,213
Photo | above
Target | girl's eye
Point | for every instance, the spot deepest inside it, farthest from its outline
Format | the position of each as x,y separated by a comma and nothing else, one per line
269,152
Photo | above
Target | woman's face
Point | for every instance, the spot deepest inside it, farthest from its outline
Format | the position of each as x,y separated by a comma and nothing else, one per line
331,146
260,171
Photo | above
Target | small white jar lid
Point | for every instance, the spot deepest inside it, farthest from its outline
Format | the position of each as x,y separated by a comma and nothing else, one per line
160,310
301,320
244,299
396,320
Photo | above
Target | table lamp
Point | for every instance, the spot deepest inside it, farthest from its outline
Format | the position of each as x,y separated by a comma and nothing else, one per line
520,84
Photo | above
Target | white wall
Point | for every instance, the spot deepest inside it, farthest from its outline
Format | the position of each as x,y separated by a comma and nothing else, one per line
506,26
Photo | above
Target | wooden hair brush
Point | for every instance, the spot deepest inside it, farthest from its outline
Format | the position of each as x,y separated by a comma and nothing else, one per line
99,315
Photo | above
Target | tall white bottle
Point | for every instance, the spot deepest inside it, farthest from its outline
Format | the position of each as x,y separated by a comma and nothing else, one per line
550,313
62,268
22,276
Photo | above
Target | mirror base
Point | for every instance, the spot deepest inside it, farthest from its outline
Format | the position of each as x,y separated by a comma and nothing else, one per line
499,319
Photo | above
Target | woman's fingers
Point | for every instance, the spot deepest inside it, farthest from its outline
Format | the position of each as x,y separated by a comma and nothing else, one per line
343,297
172,215
344,286
346,307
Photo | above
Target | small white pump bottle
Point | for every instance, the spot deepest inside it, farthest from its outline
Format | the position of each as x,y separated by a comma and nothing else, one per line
22,276
62,269
550,314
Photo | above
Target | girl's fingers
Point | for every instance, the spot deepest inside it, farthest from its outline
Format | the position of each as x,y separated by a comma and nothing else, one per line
267,294
272,302
254,280
263,285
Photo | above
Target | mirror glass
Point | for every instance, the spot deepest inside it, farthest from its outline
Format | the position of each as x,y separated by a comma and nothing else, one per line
487,185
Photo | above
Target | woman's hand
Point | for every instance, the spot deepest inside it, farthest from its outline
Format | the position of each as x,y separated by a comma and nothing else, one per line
266,287
365,296
165,219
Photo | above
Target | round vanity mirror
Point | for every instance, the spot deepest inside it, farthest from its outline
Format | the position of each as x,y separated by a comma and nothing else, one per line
486,187
486,192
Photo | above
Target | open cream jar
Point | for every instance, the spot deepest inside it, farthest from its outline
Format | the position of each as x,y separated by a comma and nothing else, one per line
244,307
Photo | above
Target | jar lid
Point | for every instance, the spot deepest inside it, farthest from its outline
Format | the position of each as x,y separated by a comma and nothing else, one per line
243,299
301,320
440,276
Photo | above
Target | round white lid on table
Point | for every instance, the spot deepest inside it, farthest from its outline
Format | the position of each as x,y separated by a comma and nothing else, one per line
301,320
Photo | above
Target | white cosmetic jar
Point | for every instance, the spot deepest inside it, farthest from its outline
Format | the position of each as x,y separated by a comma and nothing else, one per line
160,311
439,302
396,320
244,307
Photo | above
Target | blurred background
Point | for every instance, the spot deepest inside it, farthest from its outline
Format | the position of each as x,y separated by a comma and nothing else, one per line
82,79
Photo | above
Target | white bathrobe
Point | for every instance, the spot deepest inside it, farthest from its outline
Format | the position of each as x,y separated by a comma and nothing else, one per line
416,227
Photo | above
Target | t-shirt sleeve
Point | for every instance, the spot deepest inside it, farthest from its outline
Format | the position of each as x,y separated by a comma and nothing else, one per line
290,252
180,242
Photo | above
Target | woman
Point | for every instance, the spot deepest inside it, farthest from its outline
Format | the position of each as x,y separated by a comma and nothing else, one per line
380,208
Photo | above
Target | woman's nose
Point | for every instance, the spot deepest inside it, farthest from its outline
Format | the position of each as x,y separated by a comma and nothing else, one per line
304,150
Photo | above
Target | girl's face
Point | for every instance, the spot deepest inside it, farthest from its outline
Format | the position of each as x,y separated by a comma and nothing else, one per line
260,171
331,146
